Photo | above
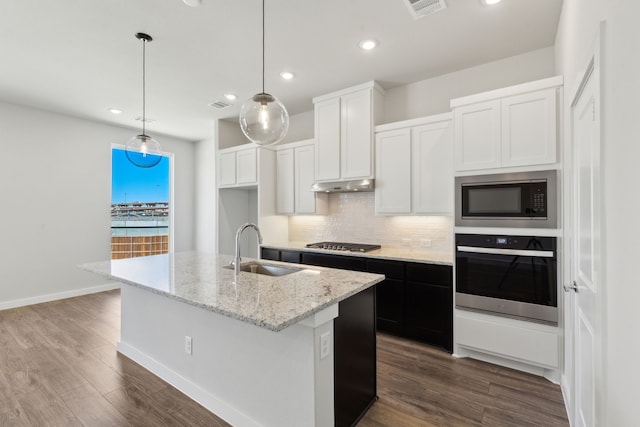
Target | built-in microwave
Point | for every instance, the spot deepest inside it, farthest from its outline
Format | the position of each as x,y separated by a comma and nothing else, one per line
524,199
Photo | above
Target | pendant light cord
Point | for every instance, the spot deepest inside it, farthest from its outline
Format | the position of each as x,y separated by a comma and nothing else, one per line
262,46
144,86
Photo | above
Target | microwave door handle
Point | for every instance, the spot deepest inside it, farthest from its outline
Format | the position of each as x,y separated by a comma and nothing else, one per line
499,251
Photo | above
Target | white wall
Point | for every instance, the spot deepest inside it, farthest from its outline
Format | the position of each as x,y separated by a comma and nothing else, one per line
432,96
56,196
620,153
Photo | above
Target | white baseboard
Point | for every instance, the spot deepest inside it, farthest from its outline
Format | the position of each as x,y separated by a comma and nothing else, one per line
214,404
5,305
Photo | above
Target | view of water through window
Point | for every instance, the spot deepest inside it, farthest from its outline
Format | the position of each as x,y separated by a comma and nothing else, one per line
139,207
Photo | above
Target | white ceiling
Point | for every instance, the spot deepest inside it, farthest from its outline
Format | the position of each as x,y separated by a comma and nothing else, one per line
80,57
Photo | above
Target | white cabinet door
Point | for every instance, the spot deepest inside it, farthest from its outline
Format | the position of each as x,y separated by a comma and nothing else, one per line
327,133
393,172
432,168
285,181
529,129
305,199
357,135
227,169
246,166
477,136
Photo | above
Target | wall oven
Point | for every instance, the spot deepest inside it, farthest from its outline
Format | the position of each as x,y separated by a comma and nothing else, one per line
514,276
525,199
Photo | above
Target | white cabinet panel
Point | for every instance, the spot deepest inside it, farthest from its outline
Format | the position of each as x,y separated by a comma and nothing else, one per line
285,181
432,168
508,127
529,129
393,172
305,199
477,136
227,169
327,133
344,123
246,166
518,343
414,167
357,135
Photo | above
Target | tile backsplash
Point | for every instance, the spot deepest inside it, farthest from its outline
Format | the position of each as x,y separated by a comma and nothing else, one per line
351,218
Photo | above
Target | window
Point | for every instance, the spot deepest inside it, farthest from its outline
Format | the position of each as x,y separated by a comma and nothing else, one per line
139,207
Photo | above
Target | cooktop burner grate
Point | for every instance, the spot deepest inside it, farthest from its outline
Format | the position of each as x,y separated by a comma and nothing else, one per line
342,246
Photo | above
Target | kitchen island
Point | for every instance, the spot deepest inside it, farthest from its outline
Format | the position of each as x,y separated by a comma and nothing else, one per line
254,349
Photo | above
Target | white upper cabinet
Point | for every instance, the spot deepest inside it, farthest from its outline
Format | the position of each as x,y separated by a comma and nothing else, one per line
510,127
305,200
432,168
393,172
327,130
529,128
414,167
284,182
295,166
344,132
238,166
477,133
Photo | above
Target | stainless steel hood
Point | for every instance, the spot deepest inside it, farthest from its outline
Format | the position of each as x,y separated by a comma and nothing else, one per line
344,186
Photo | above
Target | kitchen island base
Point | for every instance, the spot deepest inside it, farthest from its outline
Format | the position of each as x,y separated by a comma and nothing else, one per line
247,375
251,376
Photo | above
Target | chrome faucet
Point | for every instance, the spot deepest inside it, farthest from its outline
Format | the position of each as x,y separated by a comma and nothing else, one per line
237,259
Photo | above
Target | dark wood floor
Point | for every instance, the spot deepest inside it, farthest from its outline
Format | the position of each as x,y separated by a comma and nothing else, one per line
59,367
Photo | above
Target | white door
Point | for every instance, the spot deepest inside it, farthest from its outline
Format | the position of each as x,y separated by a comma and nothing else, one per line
586,260
393,172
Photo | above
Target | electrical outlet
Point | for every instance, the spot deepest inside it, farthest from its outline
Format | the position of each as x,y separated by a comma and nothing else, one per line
325,345
425,243
188,348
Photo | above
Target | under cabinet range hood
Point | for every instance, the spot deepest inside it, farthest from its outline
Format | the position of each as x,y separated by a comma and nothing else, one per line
343,186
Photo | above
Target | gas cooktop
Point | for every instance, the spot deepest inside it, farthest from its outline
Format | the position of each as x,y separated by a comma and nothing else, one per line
341,246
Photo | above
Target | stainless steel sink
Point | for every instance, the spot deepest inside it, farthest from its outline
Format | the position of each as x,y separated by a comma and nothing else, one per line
266,269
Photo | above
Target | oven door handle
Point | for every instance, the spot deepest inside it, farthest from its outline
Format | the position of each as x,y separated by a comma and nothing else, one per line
499,251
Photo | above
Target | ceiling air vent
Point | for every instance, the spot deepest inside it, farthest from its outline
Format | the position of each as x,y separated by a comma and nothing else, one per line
220,105
421,8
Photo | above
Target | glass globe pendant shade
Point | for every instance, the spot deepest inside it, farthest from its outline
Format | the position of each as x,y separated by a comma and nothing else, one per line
264,119
143,151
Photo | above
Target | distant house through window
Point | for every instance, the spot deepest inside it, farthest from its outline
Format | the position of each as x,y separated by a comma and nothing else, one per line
139,207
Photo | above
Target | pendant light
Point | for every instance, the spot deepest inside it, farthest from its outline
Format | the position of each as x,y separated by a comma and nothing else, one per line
263,118
142,150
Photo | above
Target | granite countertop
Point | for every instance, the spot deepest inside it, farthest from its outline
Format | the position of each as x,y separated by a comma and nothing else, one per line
201,279
398,254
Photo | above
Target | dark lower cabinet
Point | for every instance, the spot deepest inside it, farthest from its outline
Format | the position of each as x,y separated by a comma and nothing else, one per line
414,301
354,332
390,294
429,304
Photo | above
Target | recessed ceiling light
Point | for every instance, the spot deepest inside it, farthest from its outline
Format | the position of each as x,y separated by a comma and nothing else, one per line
192,3
115,111
287,75
490,2
230,96
368,44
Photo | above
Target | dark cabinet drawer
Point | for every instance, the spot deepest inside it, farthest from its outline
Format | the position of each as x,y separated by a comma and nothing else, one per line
391,269
290,256
344,262
270,254
441,275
